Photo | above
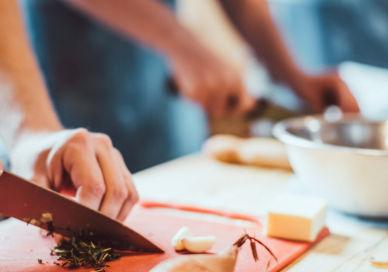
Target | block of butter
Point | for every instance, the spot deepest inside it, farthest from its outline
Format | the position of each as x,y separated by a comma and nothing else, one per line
296,217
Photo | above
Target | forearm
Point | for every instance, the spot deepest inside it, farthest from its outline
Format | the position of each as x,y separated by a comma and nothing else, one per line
147,21
253,19
23,93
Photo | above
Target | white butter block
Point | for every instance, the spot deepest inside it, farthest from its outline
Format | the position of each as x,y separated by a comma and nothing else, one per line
296,217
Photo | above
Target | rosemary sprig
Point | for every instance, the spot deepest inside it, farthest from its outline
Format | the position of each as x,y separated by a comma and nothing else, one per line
253,241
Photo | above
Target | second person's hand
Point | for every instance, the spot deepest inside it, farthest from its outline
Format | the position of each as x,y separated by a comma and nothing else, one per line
319,91
206,79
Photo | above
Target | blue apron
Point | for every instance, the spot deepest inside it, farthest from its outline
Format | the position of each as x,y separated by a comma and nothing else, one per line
108,83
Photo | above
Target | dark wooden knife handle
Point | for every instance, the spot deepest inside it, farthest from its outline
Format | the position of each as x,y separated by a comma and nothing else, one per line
330,97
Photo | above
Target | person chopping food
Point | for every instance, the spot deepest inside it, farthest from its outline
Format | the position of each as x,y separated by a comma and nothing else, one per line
107,64
39,146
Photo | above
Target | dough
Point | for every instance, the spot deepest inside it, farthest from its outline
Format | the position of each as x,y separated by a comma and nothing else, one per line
223,148
263,152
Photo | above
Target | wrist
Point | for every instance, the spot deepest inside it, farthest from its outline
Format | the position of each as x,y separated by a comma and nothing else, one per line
31,131
31,145
180,45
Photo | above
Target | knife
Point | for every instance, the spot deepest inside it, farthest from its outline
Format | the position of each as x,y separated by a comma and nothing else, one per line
25,201
263,107
261,104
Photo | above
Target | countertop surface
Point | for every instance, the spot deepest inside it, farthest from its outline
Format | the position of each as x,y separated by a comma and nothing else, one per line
200,181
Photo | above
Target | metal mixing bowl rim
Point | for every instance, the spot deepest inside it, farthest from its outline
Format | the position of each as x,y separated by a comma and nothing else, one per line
281,133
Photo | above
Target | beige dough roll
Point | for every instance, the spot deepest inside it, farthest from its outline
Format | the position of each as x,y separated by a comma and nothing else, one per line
261,152
223,148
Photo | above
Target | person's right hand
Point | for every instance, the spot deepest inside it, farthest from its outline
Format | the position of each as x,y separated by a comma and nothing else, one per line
216,85
318,90
78,159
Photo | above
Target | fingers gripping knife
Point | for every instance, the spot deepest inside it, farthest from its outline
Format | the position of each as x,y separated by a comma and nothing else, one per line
25,201
263,107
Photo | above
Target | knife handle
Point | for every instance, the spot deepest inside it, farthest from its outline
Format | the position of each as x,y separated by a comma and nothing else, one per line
330,97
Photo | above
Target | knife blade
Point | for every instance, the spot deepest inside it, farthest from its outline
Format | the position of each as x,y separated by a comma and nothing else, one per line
24,200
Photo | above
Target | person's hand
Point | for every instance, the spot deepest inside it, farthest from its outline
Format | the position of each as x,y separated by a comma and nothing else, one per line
322,90
216,85
86,161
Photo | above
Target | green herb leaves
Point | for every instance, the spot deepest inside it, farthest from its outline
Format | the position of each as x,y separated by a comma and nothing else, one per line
82,250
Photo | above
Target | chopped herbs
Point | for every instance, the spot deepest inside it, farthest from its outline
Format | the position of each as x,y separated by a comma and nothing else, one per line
82,250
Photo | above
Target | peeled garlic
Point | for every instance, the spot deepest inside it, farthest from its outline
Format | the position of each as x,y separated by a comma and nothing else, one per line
177,240
223,148
184,240
198,244
223,262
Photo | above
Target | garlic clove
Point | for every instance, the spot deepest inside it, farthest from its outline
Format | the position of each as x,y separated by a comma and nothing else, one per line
176,241
198,244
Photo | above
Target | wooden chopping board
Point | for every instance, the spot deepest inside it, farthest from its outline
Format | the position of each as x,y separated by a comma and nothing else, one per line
21,246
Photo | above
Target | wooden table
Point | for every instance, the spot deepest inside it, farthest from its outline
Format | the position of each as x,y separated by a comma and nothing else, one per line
203,182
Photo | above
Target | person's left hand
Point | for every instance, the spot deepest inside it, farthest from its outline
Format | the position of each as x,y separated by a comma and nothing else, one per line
322,90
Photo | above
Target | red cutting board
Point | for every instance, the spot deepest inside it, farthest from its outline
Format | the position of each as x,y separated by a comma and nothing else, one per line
21,246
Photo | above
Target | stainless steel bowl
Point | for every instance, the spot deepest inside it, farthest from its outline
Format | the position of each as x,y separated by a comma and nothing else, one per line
345,161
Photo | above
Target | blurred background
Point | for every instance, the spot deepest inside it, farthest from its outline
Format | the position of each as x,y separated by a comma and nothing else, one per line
323,33
101,92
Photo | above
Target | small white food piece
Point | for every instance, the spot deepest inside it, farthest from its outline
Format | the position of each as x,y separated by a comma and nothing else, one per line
198,244
296,217
183,240
177,240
